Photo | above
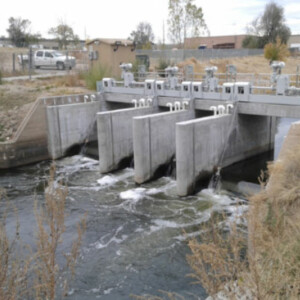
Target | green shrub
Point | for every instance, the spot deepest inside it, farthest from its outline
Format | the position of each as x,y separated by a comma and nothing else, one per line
162,65
96,73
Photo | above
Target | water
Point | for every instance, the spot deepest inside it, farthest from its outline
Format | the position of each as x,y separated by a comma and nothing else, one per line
136,238
135,241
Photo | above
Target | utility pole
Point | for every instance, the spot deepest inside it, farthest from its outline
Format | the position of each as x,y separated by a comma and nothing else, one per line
163,32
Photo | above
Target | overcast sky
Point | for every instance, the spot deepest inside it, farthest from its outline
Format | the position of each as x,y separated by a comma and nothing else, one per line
117,18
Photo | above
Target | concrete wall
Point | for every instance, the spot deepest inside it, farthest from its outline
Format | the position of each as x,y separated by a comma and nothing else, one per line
154,142
115,142
291,141
291,144
30,141
214,141
69,125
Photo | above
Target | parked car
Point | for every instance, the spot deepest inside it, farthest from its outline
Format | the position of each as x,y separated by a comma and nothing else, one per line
49,58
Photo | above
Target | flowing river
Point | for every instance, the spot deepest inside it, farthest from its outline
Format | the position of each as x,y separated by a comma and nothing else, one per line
136,237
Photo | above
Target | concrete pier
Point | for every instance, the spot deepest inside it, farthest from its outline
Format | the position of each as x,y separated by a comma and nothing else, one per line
154,142
75,124
204,144
115,139
70,125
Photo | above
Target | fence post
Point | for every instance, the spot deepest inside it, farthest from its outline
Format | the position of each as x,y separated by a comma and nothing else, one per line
14,62
22,62
30,62
67,66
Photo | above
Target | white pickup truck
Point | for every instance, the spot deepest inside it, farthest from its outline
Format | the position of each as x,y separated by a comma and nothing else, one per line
50,58
53,58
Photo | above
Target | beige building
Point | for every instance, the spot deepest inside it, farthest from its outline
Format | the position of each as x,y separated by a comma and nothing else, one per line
294,40
215,42
226,42
111,53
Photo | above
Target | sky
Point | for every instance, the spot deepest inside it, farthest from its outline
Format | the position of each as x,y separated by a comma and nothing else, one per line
118,18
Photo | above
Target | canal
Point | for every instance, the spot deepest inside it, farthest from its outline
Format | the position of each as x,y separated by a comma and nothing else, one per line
136,236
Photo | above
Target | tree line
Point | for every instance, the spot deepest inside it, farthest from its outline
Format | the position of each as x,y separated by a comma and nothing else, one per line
20,35
185,19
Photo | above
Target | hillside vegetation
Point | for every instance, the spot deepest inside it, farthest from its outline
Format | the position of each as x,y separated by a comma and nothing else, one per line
248,64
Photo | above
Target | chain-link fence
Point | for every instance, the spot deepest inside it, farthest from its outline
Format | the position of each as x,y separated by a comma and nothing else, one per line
22,61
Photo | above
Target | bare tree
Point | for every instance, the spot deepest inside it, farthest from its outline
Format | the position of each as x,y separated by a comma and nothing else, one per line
272,24
267,27
19,32
185,20
64,34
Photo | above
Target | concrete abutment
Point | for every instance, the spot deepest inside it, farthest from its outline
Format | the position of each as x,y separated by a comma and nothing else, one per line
218,141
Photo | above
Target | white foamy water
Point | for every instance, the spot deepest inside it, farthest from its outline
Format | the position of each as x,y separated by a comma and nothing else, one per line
107,180
133,194
219,199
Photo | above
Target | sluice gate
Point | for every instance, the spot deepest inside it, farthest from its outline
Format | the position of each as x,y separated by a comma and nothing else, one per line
199,126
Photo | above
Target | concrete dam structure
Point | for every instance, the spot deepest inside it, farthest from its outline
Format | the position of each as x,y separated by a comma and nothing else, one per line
199,126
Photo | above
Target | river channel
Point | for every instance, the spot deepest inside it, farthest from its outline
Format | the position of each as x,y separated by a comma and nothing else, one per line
136,237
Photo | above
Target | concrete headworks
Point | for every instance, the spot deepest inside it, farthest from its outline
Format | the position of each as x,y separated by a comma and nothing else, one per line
199,126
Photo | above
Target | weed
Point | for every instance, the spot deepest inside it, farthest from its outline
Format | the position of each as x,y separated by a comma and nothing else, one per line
51,226
38,275
219,257
70,80
270,269
162,65
265,264
96,73
13,272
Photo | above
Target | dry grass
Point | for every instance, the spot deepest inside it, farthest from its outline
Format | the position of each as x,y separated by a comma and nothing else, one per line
276,51
39,276
263,264
51,226
17,97
13,271
18,93
6,59
270,269
249,64
217,259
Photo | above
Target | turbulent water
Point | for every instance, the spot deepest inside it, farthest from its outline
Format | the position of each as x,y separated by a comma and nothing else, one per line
136,237
135,241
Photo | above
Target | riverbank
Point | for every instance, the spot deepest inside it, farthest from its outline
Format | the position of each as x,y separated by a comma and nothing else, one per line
17,97
261,260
